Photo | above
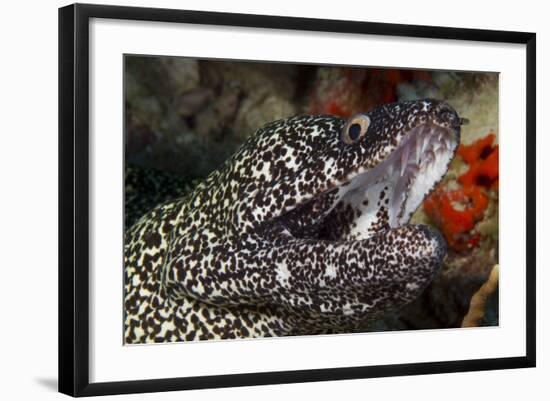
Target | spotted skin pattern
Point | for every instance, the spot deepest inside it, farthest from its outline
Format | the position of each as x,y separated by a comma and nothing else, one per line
279,241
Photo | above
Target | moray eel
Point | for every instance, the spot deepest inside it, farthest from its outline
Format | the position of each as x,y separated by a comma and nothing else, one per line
304,230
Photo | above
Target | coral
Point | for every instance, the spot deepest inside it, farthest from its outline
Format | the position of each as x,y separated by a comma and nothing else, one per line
457,209
187,116
482,158
479,301
456,213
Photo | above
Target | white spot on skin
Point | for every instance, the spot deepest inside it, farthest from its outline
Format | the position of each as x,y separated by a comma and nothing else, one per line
165,327
347,310
139,332
282,273
330,271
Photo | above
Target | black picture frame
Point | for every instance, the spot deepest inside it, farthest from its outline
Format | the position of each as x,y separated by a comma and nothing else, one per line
74,198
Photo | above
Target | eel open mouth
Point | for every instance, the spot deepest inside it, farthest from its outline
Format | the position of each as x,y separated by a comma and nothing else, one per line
387,195
380,177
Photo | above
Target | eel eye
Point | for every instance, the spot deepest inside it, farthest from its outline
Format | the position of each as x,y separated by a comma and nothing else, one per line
355,129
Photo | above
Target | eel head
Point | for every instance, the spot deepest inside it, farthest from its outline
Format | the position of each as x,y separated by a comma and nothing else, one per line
328,178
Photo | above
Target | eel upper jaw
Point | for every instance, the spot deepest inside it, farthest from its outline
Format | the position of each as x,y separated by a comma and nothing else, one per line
412,169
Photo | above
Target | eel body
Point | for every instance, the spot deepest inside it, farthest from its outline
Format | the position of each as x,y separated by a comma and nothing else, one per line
304,230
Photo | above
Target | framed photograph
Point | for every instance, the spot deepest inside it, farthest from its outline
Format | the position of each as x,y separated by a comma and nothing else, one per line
251,199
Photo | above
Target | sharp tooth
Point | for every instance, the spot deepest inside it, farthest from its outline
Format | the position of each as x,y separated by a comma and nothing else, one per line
448,143
390,170
425,143
418,150
437,146
404,158
403,167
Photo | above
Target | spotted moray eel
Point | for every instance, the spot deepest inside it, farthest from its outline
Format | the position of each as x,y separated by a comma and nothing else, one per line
304,230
